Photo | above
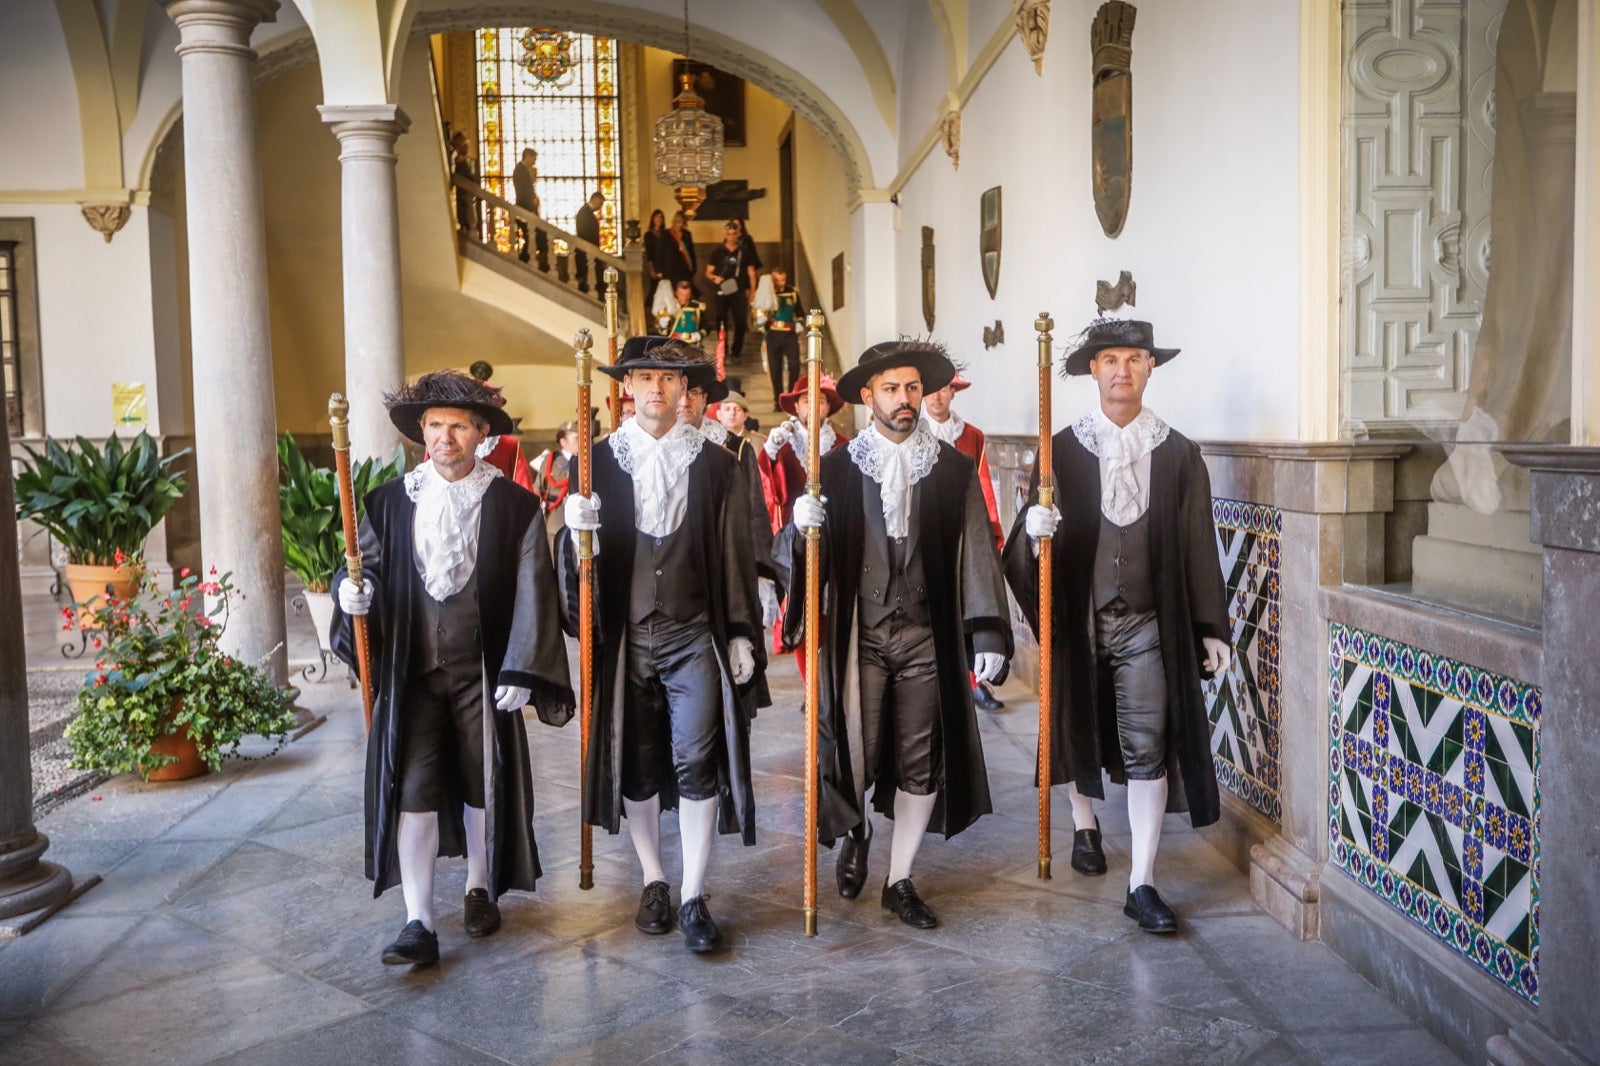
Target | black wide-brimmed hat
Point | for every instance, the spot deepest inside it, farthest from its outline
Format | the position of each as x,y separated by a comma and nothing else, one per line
659,353
1105,333
716,389
446,388
928,357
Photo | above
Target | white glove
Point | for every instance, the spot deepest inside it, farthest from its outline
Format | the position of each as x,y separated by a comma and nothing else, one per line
1218,656
352,600
986,665
769,602
780,436
809,511
512,697
741,659
1041,521
582,512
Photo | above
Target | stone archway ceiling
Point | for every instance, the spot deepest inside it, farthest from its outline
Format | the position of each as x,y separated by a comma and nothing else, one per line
657,31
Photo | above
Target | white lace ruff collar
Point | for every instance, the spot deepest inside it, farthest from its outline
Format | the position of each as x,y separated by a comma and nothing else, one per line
656,466
446,525
487,445
1121,450
948,430
714,431
896,468
826,440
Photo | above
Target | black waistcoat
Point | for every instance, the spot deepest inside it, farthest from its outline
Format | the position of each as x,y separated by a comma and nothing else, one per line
1122,564
664,578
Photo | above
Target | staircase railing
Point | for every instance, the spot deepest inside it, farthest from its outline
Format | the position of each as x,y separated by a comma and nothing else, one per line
517,235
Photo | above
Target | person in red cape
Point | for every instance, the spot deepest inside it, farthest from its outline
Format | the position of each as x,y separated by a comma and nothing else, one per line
785,449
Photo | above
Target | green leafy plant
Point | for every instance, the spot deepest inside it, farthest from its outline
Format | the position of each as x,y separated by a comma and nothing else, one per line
159,670
97,502
308,504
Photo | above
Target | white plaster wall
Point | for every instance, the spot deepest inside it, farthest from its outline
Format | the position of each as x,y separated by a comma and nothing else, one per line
825,228
96,325
38,101
924,81
160,86
1211,236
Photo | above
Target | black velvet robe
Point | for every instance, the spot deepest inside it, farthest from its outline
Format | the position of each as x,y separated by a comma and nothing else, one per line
717,523
761,547
967,606
519,612
1191,603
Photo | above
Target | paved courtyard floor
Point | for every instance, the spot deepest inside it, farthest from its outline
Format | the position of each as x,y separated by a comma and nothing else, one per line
234,924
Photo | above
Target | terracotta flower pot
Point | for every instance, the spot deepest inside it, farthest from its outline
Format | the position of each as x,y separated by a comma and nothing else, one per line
189,763
88,584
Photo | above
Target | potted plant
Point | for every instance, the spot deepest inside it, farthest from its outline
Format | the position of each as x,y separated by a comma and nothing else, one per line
99,504
164,700
313,528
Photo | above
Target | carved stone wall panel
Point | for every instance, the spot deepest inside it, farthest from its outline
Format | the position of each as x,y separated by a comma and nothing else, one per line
1418,147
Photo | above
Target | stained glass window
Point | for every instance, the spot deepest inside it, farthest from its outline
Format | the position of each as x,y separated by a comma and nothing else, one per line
10,356
556,93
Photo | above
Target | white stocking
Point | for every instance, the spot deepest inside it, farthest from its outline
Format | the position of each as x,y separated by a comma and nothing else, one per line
644,827
1083,816
477,823
1147,802
697,826
418,846
911,817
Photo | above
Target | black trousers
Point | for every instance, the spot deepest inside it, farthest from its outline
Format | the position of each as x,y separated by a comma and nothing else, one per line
1128,650
900,704
672,709
783,359
733,311
441,732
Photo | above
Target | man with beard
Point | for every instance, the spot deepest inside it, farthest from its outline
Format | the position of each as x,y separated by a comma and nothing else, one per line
678,633
911,596
461,603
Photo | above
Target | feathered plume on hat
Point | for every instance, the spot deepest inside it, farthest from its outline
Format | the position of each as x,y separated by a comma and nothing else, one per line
1111,331
661,353
926,354
445,388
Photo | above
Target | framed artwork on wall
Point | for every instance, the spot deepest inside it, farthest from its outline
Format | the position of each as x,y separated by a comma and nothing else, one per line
722,92
838,281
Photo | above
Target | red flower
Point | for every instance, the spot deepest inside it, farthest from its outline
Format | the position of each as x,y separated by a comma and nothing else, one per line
185,604
102,679
66,612
213,571
184,572
67,625
120,558
203,620
97,644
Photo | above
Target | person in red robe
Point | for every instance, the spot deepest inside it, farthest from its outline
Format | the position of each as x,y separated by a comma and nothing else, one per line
969,440
785,450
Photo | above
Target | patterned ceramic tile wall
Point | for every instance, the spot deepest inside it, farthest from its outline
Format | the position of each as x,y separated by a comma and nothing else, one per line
1245,705
1434,796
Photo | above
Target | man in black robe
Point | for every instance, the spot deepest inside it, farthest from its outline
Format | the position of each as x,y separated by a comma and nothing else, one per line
460,601
911,596
1139,606
678,633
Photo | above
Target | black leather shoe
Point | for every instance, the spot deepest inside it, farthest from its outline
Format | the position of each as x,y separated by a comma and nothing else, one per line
852,869
901,897
700,933
414,946
984,700
1145,906
482,913
655,909
1087,858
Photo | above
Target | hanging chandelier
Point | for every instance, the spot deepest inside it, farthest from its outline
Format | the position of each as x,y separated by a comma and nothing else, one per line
688,140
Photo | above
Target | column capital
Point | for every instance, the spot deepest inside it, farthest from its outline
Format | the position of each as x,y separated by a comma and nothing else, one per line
218,25
365,120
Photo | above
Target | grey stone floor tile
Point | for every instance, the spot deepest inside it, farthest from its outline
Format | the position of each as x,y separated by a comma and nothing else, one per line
373,1038
235,811
127,809
308,807
149,876
36,1046
1171,970
226,1009
1368,1047
57,953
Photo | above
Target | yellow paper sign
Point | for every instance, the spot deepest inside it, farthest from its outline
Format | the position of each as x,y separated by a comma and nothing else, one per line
128,404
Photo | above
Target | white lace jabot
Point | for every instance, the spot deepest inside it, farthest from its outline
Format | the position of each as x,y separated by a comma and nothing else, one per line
826,440
714,431
444,532
1124,453
660,489
896,468
948,430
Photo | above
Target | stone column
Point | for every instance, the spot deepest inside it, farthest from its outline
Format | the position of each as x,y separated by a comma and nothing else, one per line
1566,520
374,344
26,884
235,418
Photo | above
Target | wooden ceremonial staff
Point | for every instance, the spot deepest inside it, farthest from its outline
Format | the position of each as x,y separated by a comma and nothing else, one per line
581,343
339,421
813,606
612,330
1047,498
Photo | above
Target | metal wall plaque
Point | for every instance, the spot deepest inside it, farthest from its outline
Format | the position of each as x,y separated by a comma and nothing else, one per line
1111,117
989,239
927,277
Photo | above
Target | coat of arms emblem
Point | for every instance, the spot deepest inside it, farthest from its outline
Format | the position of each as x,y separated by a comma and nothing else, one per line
1111,120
